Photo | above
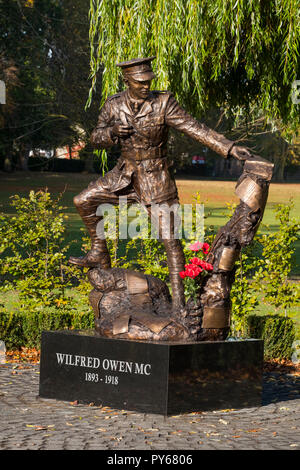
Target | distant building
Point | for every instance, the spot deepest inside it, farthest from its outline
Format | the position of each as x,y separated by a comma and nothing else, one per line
62,152
198,160
69,152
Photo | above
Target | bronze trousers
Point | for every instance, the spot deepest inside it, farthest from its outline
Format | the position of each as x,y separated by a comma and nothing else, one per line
97,193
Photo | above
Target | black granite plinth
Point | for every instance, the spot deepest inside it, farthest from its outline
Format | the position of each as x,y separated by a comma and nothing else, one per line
165,377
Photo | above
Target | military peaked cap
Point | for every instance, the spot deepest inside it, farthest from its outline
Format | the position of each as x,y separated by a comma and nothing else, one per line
139,69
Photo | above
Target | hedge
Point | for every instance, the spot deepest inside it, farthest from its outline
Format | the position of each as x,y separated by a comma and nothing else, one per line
277,331
55,164
18,329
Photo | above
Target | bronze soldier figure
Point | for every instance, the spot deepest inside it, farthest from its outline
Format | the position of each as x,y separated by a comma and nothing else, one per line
139,119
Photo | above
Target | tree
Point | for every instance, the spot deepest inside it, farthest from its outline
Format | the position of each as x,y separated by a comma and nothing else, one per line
25,40
239,56
46,42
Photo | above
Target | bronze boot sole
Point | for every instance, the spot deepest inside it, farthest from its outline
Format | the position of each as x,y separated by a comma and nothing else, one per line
85,261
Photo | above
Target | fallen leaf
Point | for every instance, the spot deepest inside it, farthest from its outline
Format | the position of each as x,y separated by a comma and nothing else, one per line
223,421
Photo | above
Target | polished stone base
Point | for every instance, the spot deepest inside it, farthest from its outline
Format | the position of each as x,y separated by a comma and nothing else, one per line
165,378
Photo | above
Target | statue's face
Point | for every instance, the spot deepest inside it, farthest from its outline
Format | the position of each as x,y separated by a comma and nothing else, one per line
138,90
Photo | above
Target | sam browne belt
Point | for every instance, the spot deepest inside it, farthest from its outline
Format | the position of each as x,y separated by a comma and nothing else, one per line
140,154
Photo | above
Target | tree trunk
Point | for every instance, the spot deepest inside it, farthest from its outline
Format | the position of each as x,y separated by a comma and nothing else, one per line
281,161
23,157
89,163
7,166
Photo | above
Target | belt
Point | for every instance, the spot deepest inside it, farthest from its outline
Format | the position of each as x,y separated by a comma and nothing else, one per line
144,154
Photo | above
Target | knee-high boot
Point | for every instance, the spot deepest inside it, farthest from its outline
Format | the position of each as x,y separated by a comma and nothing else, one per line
176,261
98,254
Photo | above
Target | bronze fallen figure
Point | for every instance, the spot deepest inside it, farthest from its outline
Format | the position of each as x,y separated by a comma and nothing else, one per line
132,305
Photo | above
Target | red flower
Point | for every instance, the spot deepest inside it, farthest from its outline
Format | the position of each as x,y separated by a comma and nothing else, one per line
196,261
193,271
208,266
205,248
199,246
196,266
200,262
195,246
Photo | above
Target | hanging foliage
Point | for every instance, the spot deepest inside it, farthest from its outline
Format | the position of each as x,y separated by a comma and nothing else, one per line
236,54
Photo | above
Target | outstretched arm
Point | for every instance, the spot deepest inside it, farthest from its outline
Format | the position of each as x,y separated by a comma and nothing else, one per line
179,119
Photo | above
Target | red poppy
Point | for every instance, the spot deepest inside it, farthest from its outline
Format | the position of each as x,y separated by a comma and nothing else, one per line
193,271
205,248
195,246
208,267
196,261
199,246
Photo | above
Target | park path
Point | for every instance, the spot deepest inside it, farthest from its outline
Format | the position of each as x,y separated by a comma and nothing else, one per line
32,423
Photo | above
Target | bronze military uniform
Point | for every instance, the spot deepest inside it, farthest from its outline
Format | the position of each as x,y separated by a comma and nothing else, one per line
142,172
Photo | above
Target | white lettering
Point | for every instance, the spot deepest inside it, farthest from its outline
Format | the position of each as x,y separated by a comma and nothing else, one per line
60,358
89,364
118,460
128,367
69,360
141,368
107,364
113,364
77,359
82,362
96,364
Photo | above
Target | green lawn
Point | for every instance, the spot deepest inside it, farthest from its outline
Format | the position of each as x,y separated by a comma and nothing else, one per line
214,195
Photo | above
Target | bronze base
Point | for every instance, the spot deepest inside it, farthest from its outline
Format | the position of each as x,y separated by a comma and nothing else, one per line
132,305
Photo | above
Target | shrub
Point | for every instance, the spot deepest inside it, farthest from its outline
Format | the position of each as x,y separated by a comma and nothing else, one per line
272,277
277,331
23,328
33,250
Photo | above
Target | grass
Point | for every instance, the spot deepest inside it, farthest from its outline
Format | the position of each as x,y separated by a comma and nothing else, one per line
213,194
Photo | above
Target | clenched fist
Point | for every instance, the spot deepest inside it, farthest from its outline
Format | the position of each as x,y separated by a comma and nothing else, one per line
122,130
240,153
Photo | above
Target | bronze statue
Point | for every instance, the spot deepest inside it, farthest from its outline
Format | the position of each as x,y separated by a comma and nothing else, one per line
134,305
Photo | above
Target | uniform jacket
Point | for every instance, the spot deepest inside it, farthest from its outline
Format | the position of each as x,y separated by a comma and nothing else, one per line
143,153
